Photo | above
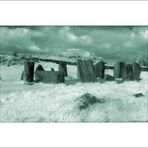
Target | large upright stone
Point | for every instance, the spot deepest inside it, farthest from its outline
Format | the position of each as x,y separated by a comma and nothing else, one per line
28,72
119,70
128,72
60,77
63,68
99,69
136,71
85,70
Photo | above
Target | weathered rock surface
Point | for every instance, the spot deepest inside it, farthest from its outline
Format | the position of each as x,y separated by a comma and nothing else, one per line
128,75
119,70
63,68
49,76
39,68
99,69
85,71
86,100
136,71
139,95
28,73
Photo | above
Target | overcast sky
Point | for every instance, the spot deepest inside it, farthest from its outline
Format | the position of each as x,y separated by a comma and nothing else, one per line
107,42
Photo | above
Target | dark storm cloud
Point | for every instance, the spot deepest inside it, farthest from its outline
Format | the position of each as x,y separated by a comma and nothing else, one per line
104,41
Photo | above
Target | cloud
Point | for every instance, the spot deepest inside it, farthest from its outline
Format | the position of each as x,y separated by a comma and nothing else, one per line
34,48
19,38
144,34
106,45
65,32
81,40
105,41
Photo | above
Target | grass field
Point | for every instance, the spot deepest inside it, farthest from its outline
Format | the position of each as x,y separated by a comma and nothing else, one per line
57,102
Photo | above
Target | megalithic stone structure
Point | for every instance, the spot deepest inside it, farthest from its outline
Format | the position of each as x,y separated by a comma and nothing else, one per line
63,68
119,70
100,69
136,71
28,73
85,71
129,75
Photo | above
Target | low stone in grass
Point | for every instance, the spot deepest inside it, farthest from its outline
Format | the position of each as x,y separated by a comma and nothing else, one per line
86,100
49,76
109,77
138,95
29,83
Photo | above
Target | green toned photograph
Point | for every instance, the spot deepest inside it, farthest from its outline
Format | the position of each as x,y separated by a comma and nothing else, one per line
73,74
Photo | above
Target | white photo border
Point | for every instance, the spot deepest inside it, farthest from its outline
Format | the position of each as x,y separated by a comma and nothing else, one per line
73,13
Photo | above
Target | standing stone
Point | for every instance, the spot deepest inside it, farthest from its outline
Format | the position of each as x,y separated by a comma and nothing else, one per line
28,73
119,70
38,78
136,71
128,72
52,69
85,70
99,69
61,77
22,75
39,68
63,68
